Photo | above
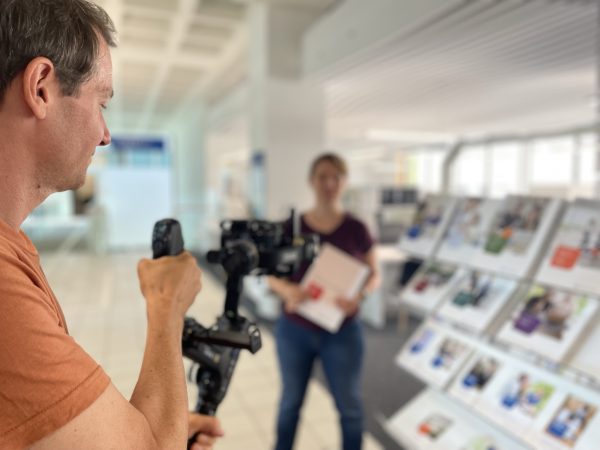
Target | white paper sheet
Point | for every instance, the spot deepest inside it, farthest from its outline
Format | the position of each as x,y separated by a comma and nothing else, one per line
334,274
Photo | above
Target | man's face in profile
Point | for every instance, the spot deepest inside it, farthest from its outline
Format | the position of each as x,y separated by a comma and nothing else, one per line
77,126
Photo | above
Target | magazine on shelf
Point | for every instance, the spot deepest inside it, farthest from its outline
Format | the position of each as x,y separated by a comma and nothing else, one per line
428,226
549,321
537,407
430,285
421,423
467,230
515,238
433,356
477,300
573,258
333,275
573,423
515,398
432,421
474,378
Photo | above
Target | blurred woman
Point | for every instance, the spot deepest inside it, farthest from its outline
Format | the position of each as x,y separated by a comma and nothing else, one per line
300,342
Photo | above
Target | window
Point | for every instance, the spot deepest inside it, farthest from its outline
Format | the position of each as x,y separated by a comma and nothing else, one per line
505,169
588,147
468,173
425,170
552,162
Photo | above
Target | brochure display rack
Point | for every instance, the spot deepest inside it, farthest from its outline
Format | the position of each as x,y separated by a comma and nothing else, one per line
509,345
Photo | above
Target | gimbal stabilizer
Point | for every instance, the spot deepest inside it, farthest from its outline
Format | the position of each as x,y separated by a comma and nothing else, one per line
246,247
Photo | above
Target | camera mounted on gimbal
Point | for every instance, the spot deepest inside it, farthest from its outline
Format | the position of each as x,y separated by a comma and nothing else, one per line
247,247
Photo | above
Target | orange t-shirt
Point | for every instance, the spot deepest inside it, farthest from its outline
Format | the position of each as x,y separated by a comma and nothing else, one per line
46,378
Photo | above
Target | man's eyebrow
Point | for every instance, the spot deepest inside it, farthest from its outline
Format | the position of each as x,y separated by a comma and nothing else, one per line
108,91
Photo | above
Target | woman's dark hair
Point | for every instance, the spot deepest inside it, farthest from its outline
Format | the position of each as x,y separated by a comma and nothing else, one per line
331,158
67,32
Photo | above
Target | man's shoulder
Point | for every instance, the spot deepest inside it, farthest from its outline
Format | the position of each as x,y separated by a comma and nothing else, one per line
8,249
16,265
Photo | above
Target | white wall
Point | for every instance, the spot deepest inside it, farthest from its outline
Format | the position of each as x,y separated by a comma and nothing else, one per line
133,199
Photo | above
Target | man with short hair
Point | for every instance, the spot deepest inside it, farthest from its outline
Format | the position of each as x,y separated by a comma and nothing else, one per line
55,80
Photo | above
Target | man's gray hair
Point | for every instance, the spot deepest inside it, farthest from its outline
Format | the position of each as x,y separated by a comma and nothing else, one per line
67,32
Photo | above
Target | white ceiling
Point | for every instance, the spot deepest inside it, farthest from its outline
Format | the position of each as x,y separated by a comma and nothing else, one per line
167,49
172,52
488,67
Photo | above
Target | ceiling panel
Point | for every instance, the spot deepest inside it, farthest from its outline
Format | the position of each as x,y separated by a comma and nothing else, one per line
138,20
166,48
167,5
491,66
181,78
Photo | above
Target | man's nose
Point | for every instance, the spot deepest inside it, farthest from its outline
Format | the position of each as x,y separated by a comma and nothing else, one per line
105,138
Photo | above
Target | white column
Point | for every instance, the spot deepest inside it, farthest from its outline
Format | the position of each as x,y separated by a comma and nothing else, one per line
190,177
597,104
287,114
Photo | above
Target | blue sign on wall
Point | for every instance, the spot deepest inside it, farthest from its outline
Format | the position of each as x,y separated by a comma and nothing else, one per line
138,143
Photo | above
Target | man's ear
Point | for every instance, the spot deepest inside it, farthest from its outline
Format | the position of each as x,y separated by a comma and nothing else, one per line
39,85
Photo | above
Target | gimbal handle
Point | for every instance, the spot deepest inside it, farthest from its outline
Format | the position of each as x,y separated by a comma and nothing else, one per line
167,240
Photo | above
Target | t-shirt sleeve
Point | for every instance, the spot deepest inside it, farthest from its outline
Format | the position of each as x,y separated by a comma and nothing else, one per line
365,240
47,378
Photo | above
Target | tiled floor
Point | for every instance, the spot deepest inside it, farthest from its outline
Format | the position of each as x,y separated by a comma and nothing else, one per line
106,315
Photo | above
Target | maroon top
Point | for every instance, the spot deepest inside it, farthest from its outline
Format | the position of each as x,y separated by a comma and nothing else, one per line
351,236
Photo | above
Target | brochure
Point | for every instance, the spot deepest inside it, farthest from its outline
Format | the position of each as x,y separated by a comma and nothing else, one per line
333,275
549,321
478,300
573,259
428,225
472,381
516,235
467,230
433,356
571,421
515,225
433,421
514,398
421,423
430,285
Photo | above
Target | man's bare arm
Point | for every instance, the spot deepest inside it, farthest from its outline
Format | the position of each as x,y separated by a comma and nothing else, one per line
157,415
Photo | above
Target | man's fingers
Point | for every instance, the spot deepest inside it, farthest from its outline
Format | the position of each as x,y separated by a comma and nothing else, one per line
205,425
204,439
200,447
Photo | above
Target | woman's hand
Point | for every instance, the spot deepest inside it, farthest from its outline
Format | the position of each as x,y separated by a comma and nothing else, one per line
292,294
350,306
207,428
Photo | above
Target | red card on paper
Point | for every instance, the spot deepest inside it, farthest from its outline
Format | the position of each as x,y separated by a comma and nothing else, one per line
565,257
315,291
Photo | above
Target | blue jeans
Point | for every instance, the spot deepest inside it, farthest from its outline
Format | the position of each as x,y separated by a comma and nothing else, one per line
341,355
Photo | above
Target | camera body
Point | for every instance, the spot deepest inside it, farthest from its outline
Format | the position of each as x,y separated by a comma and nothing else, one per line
247,247
275,248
